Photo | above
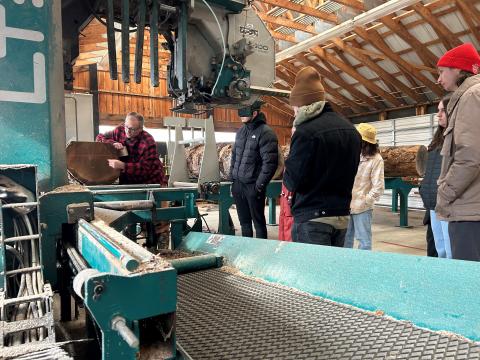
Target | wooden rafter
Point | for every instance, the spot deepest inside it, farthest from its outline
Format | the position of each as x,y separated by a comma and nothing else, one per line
422,51
279,36
324,55
260,6
374,38
289,15
281,21
285,76
342,56
303,9
473,11
354,4
384,75
334,77
438,41
279,105
466,14
442,31
333,71
374,55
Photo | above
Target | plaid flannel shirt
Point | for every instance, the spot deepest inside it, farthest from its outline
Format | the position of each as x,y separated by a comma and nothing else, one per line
143,165
369,184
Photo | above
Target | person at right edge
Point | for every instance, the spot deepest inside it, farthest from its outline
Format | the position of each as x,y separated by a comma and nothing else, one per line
458,197
321,167
428,186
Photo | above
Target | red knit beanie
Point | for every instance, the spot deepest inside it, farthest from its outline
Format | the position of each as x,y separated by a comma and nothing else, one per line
463,57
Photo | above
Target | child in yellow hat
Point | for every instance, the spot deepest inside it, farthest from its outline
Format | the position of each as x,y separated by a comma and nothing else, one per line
368,187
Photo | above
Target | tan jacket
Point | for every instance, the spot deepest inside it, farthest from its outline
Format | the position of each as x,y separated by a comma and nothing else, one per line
369,184
458,196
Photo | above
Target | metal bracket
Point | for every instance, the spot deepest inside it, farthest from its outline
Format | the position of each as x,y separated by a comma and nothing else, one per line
79,211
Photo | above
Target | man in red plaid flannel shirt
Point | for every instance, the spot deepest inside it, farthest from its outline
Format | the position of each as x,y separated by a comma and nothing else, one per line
143,165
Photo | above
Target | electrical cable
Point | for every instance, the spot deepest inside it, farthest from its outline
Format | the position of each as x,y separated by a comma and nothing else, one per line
223,42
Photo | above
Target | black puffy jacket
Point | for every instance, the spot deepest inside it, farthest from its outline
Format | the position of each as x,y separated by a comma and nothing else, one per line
321,167
428,187
255,153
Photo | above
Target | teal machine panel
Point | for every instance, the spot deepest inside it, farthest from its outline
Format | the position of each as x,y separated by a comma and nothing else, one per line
31,90
437,294
131,293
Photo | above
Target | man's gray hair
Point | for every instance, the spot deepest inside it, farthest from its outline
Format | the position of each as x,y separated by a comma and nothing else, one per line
137,116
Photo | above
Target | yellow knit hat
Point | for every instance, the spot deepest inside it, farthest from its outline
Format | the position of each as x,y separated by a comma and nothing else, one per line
368,132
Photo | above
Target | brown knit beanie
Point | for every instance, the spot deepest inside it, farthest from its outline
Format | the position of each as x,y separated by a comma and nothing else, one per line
308,88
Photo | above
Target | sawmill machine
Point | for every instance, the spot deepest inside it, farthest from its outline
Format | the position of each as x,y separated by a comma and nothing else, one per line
222,54
49,240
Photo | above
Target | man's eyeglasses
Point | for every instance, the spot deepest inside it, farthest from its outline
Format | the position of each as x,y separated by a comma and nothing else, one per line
131,129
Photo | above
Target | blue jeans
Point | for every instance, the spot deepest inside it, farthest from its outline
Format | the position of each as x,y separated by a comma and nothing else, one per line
360,228
440,236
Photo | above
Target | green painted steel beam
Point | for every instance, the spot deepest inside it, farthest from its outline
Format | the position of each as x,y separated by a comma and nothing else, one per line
402,189
142,9
126,41
438,294
31,89
112,48
196,263
154,45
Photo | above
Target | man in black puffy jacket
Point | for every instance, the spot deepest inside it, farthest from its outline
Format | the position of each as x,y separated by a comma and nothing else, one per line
254,162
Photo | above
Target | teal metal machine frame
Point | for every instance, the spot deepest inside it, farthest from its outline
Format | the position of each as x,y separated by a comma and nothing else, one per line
405,287
225,200
400,188
53,213
115,309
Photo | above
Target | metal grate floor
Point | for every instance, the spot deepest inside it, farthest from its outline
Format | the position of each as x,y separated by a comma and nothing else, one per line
223,316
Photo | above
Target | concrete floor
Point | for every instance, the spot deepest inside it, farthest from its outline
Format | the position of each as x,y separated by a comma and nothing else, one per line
387,235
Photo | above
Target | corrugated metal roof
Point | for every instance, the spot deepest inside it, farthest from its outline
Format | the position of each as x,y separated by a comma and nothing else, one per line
328,7
447,14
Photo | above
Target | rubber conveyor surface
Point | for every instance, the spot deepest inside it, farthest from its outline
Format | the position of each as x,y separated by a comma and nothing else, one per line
225,316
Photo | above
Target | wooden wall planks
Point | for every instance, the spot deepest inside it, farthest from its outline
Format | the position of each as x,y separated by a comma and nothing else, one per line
117,98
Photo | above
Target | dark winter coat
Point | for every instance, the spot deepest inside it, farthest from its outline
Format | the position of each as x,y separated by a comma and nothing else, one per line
429,187
254,154
321,167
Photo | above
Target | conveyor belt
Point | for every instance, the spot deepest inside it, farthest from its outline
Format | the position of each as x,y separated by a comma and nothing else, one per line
223,316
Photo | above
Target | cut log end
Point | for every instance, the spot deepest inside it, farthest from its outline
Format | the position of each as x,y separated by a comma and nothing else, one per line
404,161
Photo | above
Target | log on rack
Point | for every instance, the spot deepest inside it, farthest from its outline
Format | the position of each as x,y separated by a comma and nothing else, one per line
404,161
195,154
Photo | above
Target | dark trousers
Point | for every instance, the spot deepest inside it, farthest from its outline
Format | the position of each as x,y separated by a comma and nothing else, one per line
312,232
465,239
431,250
250,208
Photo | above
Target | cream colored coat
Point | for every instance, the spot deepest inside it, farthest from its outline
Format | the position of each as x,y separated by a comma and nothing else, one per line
369,184
458,197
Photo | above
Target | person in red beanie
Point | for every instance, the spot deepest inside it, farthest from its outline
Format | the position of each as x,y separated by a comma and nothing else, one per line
458,197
